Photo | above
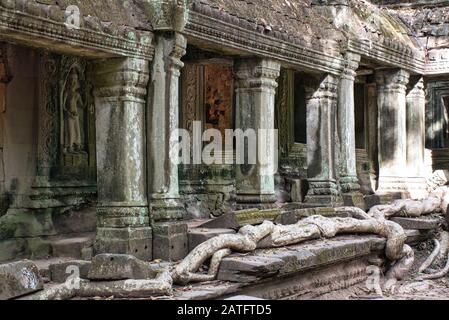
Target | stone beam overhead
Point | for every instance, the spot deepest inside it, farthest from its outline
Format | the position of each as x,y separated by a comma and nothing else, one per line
34,23
321,95
255,90
392,85
123,220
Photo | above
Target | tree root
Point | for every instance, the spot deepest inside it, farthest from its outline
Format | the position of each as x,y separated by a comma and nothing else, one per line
400,268
161,285
269,235
412,208
439,274
429,261
444,241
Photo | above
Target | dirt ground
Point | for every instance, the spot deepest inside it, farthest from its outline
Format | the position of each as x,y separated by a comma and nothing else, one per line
408,289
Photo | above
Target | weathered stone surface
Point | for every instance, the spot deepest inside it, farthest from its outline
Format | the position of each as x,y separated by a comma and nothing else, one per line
119,267
237,219
170,241
59,272
200,235
297,258
248,268
71,247
19,278
425,223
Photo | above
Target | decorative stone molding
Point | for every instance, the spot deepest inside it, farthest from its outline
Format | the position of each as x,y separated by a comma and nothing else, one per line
34,23
166,15
226,34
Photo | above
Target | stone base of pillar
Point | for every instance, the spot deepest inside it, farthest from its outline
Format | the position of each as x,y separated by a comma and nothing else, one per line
259,201
323,193
354,199
414,187
170,241
166,209
136,241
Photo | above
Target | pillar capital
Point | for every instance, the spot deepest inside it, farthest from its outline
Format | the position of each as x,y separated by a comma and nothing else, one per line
322,87
392,79
257,73
352,61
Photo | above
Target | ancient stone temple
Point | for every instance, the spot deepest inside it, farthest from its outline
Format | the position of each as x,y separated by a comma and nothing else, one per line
93,95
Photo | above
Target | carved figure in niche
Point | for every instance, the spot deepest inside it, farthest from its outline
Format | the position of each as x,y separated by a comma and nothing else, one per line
72,104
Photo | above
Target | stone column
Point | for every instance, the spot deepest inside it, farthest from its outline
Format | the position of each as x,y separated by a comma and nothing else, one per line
348,179
123,220
255,91
392,85
169,232
415,113
321,95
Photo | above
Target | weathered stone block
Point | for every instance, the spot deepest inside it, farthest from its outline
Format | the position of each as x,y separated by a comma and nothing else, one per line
71,247
200,235
18,279
59,272
119,267
170,241
134,241
418,223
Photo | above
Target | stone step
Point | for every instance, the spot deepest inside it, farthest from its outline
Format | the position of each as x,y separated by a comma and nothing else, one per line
280,262
72,246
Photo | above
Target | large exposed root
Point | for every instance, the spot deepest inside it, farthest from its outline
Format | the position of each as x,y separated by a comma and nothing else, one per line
400,267
436,201
161,285
444,242
443,272
269,235
429,261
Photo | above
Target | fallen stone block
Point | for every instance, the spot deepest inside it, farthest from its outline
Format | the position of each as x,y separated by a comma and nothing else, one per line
236,220
119,267
200,235
418,223
59,272
18,279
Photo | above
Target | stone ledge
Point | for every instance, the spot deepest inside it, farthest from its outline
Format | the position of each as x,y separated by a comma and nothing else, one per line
286,261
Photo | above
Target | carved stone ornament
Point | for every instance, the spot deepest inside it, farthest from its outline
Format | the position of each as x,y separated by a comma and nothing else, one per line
167,15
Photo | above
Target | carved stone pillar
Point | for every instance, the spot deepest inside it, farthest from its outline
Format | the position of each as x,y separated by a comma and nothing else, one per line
391,85
169,232
415,113
123,221
348,179
321,95
255,92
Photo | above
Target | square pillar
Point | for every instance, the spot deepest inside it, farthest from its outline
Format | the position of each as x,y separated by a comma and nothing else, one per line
167,212
123,220
255,91
392,129
415,113
321,95
348,179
